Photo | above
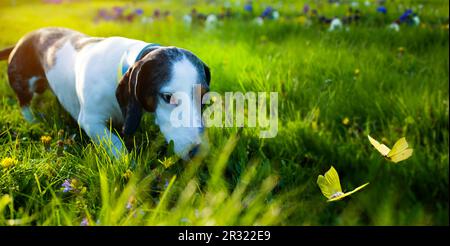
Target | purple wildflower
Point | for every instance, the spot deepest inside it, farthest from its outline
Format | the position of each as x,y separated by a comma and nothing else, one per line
382,10
102,13
131,202
248,7
306,8
267,12
53,1
166,184
405,16
84,222
139,11
67,185
118,10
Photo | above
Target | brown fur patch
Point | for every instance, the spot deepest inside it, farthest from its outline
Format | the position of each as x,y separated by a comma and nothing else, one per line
32,56
79,42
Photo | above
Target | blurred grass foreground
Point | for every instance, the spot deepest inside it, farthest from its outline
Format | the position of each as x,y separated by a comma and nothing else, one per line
383,70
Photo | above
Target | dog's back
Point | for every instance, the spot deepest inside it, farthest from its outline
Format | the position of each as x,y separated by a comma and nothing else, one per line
31,58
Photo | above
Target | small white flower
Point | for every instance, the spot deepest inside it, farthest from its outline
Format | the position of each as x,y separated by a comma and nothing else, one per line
394,26
336,24
211,21
416,20
275,15
259,21
187,19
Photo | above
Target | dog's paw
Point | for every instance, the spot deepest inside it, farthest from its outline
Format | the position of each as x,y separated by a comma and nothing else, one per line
28,115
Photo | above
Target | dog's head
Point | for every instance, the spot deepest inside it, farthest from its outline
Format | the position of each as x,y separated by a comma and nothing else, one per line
154,84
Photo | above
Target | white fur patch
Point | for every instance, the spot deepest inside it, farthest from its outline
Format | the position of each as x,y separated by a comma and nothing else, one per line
32,83
184,77
61,78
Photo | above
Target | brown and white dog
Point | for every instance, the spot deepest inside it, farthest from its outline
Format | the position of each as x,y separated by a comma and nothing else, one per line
82,72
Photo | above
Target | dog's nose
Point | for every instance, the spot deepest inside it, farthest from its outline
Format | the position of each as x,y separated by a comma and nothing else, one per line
194,151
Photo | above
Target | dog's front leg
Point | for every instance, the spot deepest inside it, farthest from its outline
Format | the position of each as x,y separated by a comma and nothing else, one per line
95,128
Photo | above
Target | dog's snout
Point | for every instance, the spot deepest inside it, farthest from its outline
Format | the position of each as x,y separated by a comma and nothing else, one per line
194,151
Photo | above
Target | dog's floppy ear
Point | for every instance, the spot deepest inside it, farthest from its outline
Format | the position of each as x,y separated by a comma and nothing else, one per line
150,76
131,108
137,91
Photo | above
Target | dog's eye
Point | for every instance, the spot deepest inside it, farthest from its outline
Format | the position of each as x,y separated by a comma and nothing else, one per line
166,97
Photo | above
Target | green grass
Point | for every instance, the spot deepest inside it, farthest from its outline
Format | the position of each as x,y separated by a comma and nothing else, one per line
244,180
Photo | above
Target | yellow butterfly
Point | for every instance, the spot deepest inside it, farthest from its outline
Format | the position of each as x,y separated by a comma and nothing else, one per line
398,153
331,186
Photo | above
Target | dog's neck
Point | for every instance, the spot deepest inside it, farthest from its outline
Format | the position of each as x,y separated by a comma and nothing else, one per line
132,55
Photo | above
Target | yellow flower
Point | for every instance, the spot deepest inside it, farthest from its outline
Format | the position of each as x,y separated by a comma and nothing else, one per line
167,162
357,72
128,173
46,140
74,182
83,190
346,121
301,20
169,18
76,186
8,162
401,50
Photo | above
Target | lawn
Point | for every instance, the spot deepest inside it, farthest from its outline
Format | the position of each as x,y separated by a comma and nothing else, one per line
334,89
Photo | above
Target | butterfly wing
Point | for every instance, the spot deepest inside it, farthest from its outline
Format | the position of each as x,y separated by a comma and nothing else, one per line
398,147
405,154
333,178
329,184
324,186
383,149
357,189
348,193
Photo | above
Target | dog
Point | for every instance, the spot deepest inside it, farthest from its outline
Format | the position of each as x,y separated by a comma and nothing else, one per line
97,80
